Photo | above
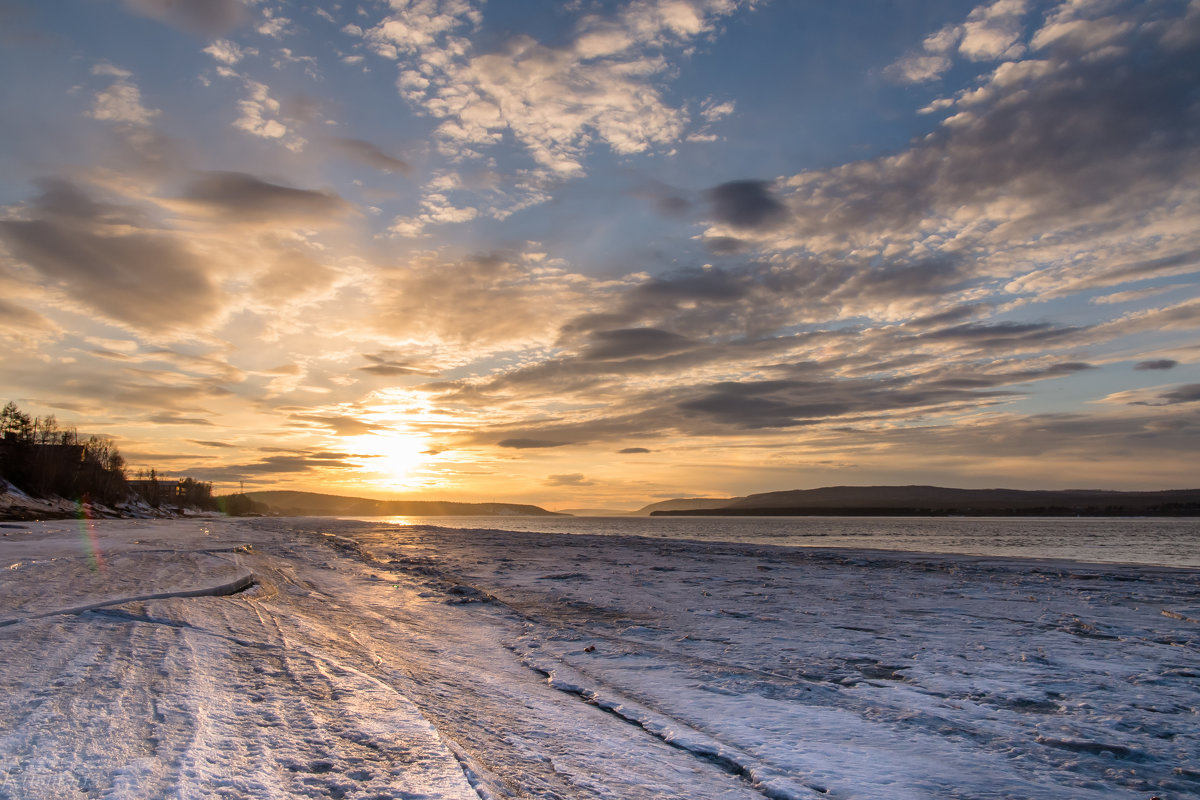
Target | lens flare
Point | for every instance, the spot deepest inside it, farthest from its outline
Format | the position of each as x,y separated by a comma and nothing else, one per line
87,533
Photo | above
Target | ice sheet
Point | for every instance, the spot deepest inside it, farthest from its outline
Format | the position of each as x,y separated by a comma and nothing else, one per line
378,661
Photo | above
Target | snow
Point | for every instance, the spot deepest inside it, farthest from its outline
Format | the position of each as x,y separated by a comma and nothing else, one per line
15,504
280,658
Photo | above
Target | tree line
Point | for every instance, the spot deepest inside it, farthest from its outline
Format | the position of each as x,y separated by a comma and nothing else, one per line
42,459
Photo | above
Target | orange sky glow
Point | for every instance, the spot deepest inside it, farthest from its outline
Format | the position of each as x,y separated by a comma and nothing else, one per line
594,255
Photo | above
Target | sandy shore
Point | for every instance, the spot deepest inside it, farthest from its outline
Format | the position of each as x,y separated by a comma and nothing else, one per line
317,658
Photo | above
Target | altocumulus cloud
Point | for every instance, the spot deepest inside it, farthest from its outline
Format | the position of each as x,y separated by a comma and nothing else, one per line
553,99
1064,157
487,302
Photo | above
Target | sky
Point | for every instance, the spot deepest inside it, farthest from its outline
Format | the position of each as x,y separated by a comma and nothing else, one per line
597,254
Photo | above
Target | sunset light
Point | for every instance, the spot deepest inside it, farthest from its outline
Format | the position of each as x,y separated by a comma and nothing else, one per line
393,458
592,256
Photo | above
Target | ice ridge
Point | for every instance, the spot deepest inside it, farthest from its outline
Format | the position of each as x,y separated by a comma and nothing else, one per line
768,782
238,584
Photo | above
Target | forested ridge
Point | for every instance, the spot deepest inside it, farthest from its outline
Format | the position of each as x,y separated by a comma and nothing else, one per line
44,459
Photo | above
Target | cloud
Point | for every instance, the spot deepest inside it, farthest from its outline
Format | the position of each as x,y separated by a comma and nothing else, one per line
633,450
293,274
436,209
1189,393
1133,295
297,464
214,365
390,370
1059,172
530,444
1156,397
1005,336
367,153
786,404
261,117
340,424
175,419
66,200
691,302
713,111
121,102
1066,30
555,100
808,395
273,25
487,302
239,197
227,52
386,365
990,32
1183,316
573,479
634,343
148,279
205,17
1156,364
1093,449
725,245
16,318
120,392
745,204
918,68
667,200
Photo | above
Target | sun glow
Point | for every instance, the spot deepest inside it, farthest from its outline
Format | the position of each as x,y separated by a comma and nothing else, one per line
394,457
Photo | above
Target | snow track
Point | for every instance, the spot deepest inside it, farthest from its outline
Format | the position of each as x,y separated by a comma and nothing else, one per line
321,680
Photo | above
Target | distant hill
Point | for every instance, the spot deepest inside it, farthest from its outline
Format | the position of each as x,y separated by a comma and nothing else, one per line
310,504
940,501
686,504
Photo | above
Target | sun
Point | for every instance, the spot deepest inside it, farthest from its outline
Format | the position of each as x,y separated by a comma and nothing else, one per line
395,457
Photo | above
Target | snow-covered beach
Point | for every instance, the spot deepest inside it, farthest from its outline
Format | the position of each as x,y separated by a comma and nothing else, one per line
322,658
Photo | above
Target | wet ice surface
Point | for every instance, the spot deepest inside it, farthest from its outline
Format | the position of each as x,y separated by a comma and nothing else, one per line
376,661
1169,541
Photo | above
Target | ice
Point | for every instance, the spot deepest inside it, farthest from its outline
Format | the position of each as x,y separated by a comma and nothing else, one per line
333,658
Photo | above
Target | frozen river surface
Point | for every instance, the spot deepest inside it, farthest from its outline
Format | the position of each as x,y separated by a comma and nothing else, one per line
323,658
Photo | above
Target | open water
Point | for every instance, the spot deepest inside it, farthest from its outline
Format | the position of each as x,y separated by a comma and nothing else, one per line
1173,542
